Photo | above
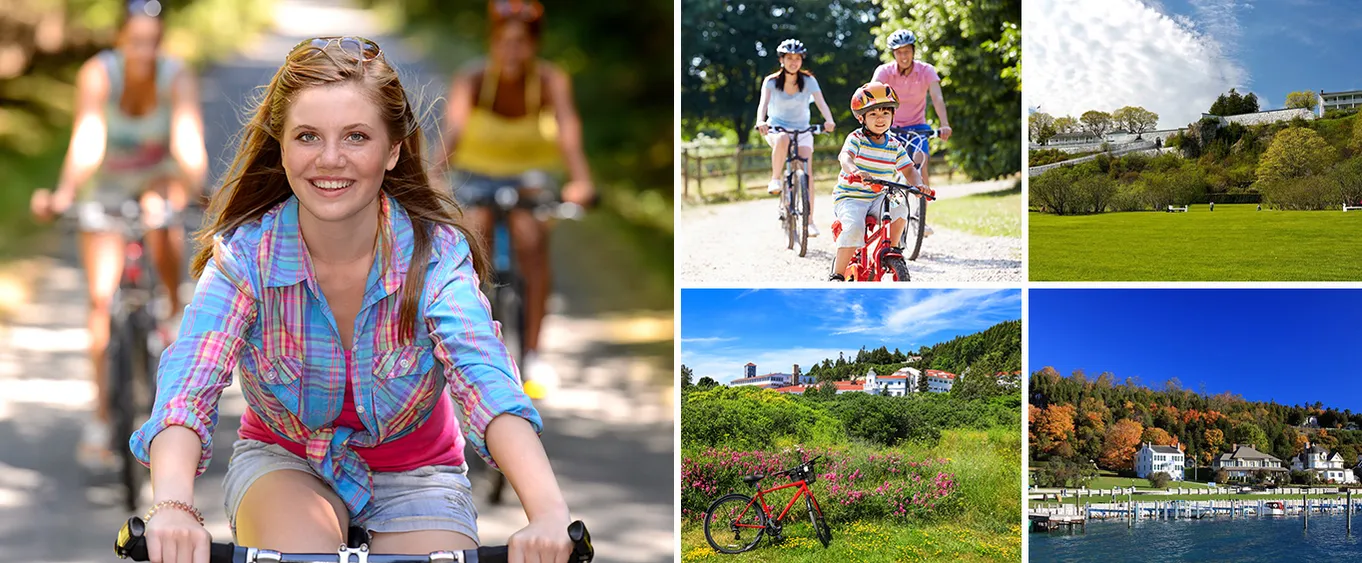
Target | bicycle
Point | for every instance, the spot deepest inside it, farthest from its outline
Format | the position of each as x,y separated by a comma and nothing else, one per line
795,196
508,287
761,521
135,346
131,544
876,258
917,214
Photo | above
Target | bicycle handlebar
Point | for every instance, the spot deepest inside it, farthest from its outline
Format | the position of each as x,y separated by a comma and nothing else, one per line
815,129
131,544
898,186
930,134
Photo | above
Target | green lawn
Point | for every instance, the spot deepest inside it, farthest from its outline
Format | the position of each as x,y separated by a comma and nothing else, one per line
995,214
1235,243
870,542
1108,482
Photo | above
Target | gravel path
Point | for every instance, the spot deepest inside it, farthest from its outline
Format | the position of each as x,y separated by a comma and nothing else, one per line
742,243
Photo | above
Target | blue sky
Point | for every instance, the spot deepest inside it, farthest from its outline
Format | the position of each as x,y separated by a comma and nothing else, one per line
723,329
1293,346
1175,56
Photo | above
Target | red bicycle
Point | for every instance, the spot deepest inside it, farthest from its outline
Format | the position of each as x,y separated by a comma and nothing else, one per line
877,257
735,517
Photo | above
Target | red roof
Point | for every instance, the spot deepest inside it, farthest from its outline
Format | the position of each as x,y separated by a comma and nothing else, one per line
849,386
940,374
892,377
793,389
751,364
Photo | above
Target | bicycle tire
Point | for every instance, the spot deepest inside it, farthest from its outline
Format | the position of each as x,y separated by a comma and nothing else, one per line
820,526
898,267
804,213
787,208
122,399
920,227
741,501
508,308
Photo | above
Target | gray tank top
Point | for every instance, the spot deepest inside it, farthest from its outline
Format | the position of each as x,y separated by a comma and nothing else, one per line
142,143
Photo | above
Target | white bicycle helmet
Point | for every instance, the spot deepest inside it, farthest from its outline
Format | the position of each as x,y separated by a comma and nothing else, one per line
791,46
901,38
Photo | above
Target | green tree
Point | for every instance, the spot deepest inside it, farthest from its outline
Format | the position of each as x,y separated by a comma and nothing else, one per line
1095,123
1305,100
923,386
1355,144
1065,125
1296,152
1250,433
1234,103
728,47
976,47
1134,119
1159,480
1040,127
706,382
685,376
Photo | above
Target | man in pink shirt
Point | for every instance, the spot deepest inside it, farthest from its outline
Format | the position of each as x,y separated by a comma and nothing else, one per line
912,81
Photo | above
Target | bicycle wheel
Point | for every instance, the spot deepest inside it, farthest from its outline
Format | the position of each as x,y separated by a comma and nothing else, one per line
802,203
820,526
122,408
732,526
917,224
787,210
897,267
508,309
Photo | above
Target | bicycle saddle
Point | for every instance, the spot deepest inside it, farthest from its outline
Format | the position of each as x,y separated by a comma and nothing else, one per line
752,479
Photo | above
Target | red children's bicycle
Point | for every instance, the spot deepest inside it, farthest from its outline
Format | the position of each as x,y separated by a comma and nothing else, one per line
736,522
877,258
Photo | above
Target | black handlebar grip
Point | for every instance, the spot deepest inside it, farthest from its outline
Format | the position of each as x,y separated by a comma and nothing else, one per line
493,554
132,544
582,552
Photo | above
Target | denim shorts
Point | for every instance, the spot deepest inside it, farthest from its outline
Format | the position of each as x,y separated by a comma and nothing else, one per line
436,497
476,190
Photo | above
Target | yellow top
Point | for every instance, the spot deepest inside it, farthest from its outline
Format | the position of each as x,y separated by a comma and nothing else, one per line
495,145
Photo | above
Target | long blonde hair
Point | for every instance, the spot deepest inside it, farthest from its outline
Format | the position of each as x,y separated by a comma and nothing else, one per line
256,183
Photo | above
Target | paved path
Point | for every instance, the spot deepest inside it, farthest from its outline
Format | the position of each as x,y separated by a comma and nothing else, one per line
609,428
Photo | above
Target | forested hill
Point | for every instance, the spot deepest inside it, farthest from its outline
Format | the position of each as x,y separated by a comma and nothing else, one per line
1077,418
997,348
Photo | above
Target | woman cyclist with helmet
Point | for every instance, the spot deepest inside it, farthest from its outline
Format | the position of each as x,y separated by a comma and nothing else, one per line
869,152
785,97
511,121
138,135
342,285
913,81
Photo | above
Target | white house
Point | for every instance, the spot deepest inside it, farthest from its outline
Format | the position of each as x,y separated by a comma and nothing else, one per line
896,385
940,381
1326,465
1151,459
1244,460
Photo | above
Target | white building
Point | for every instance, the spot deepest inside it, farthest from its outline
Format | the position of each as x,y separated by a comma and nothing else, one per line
1151,459
940,381
768,380
1244,461
1339,100
896,385
1324,464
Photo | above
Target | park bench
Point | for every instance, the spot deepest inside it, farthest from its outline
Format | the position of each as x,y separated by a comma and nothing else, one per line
1182,209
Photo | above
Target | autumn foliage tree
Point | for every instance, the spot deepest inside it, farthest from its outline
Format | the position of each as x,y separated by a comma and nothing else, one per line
1118,450
1156,436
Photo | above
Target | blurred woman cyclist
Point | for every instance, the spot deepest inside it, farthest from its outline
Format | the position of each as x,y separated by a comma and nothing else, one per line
343,287
511,122
138,135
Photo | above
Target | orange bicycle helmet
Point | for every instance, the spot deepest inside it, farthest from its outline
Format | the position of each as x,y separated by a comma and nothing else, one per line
873,95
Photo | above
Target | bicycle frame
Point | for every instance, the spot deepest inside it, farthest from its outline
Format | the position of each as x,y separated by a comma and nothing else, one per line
760,499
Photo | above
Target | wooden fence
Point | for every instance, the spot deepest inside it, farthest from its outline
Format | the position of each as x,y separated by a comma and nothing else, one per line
736,170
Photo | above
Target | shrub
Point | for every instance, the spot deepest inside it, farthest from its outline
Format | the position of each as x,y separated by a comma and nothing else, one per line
1222,476
1061,472
747,417
1159,480
1295,152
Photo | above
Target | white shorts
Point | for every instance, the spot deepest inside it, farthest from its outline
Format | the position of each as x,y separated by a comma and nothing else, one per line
805,138
852,213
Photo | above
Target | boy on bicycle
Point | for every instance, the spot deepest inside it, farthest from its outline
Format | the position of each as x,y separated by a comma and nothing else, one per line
869,153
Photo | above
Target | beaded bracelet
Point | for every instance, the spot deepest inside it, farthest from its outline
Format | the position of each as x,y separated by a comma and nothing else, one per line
175,504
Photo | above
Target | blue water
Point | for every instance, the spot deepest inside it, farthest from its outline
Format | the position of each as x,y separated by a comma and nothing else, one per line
1266,539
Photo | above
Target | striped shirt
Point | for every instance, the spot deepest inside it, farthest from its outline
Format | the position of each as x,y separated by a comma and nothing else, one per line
259,310
876,161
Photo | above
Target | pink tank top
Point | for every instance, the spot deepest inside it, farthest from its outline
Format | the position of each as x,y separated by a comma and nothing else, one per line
436,441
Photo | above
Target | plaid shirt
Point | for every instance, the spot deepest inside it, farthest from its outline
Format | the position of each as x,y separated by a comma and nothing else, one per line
258,309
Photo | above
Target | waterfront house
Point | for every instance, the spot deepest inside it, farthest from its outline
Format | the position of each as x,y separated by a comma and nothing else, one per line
1327,466
1151,459
1243,461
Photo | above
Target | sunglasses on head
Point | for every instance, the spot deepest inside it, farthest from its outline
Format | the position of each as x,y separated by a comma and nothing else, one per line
363,49
517,9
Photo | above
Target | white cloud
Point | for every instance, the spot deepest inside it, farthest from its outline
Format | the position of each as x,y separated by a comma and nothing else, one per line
918,313
708,339
1083,55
